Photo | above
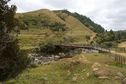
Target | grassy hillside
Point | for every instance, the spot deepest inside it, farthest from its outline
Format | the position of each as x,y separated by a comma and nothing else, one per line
45,25
75,28
85,21
76,70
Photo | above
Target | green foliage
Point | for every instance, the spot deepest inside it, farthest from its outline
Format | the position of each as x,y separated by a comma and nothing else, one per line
86,21
108,44
31,21
87,37
120,35
57,27
51,48
110,38
12,61
6,16
64,11
48,48
89,23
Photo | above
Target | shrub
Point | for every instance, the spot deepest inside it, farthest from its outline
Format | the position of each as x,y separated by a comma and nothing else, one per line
12,61
57,27
108,44
50,48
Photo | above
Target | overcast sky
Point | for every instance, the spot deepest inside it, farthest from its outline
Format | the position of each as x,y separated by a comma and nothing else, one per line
111,14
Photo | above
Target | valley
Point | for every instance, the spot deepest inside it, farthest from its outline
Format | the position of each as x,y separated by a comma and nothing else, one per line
42,30
77,69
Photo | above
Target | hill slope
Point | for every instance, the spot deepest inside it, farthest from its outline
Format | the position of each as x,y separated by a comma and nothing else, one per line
76,28
52,27
85,21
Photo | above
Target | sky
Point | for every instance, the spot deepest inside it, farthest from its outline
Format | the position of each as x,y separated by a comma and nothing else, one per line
111,14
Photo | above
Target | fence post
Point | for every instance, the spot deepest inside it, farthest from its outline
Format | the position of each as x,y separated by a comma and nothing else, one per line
124,60
116,59
121,61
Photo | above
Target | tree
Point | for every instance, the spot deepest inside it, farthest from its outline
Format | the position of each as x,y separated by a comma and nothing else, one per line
87,38
89,23
12,61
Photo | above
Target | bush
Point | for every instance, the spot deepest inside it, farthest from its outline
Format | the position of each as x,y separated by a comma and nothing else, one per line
108,44
12,61
48,48
57,27
51,48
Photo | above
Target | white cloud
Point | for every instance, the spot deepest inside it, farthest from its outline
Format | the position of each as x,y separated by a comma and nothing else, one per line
108,13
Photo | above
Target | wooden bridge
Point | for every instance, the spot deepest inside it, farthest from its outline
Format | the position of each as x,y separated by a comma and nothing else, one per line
88,47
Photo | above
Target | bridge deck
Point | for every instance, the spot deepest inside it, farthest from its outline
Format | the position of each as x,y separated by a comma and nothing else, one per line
85,47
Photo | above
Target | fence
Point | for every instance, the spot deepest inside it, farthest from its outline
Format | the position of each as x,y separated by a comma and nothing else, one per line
119,60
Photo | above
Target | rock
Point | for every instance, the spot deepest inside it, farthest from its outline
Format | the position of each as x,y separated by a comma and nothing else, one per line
96,65
62,54
82,78
101,73
74,78
95,69
106,65
120,75
103,77
88,74
47,63
45,78
36,59
83,61
84,70
68,73
56,58
124,81
75,74
117,78
46,59
82,56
